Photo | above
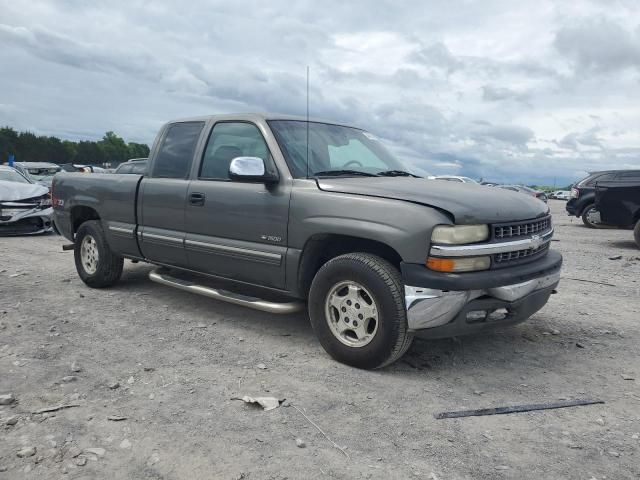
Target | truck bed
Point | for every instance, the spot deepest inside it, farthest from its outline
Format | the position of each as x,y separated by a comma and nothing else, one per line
114,199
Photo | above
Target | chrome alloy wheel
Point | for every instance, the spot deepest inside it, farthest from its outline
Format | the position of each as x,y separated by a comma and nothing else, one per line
352,313
89,254
593,216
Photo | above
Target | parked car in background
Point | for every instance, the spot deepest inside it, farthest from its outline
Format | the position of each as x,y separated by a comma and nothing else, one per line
561,195
39,172
135,165
10,174
25,206
75,167
452,178
583,193
338,224
619,205
540,195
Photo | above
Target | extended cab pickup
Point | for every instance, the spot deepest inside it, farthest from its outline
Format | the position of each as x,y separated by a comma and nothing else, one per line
316,213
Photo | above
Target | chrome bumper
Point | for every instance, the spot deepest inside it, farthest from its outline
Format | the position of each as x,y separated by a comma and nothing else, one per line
430,308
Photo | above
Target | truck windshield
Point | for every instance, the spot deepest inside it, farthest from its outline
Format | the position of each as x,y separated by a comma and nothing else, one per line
333,150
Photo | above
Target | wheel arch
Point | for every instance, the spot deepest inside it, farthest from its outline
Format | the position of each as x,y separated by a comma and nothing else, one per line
80,214
320,248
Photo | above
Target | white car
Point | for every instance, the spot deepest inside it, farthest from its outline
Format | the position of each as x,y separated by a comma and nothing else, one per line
25,206
561,195
452,178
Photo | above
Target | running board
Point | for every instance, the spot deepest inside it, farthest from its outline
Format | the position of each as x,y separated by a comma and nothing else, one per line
225,296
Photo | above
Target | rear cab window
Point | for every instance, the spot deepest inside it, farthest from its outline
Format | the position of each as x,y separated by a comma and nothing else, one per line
177,150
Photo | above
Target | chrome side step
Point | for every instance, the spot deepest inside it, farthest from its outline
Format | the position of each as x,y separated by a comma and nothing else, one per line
163,278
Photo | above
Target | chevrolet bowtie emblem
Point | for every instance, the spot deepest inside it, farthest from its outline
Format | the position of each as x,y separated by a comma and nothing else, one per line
536,241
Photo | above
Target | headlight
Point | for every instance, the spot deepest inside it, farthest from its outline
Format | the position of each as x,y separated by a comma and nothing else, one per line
459,234
45,201
462,264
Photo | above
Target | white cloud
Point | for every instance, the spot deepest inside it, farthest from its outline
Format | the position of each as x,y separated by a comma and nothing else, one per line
526,91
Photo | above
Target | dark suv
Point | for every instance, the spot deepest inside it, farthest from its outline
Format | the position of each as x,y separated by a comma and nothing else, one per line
583,193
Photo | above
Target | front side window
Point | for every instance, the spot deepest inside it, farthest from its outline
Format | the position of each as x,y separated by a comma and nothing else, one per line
227,141
330,148
177,149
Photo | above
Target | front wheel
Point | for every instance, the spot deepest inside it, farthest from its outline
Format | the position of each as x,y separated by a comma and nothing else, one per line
356,307
636,233
96,264
591,217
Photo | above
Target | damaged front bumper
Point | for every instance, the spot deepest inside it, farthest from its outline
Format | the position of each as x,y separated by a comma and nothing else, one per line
19,221
481,304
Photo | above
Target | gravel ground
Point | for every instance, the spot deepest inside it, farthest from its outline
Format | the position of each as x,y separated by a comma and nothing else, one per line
152,373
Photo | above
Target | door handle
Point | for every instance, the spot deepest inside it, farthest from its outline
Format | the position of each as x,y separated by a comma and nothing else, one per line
197,199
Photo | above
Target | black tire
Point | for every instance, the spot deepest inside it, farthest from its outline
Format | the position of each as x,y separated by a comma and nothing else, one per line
391,339
585,217
636,233
109,265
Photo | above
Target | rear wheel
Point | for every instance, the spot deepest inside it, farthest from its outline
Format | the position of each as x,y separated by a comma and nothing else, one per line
636,233
96,264
356,307
591,217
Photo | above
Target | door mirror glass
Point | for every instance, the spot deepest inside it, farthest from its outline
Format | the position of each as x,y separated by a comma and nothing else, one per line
250,169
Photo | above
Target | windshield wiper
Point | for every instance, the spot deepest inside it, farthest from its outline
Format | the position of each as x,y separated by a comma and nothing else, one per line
397,173
337,173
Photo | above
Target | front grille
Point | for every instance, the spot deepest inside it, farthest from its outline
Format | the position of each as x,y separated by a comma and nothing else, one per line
508,259
508,231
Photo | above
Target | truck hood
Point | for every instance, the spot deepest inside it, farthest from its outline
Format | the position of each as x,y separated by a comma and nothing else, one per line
13,191
466,202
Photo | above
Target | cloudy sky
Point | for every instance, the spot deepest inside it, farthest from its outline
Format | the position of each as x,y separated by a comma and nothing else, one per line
527,91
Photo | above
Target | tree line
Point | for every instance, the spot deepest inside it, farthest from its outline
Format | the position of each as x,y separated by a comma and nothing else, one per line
28,147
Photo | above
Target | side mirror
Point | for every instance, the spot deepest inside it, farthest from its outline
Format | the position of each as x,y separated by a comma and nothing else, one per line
251,169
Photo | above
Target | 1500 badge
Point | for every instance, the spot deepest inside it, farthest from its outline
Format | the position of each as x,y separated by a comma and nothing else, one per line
271,238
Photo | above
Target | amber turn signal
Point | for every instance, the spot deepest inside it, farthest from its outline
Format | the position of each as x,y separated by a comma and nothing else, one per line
468,264
441,264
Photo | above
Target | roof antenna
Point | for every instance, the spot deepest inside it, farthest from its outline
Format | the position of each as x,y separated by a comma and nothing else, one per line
307,121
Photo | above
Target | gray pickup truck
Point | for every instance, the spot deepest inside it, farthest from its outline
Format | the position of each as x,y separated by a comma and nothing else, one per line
273,212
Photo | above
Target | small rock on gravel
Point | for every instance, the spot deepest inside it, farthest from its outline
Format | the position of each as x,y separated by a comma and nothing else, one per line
261,366
12,420
125,443
95,451
75,367
626,376
131,380
26,452
7,399
116,418
616,257
300,443
579,345
613,453
74,451
114,385
69,378
81,461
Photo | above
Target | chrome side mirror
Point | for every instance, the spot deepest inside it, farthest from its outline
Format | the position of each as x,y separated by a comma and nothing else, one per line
251,169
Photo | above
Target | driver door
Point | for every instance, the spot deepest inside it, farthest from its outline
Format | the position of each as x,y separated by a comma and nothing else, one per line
236,230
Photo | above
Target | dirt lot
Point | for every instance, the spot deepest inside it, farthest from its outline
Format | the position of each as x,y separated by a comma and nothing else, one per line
171,362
